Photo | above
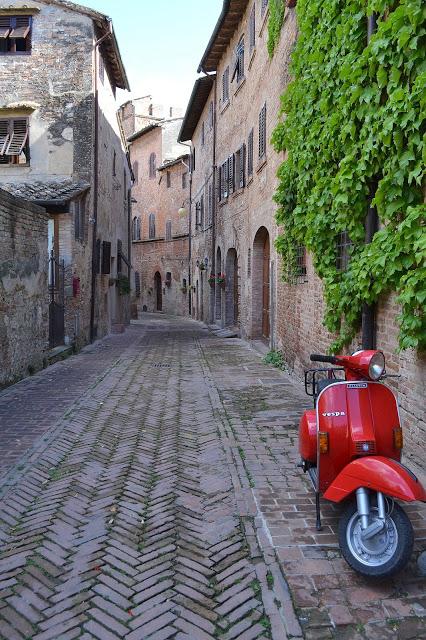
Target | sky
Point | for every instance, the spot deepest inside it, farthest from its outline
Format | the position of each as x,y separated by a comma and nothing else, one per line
161,43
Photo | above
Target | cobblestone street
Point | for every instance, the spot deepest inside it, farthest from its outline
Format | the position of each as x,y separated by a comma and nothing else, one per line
150,491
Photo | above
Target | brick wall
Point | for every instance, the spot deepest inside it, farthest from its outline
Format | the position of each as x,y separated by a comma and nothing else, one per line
23,288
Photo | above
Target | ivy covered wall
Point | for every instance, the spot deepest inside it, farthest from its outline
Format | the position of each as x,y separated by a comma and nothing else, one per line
354,131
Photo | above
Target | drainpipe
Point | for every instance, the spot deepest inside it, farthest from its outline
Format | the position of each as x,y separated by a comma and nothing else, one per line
95,181
214,206
189,222
371,226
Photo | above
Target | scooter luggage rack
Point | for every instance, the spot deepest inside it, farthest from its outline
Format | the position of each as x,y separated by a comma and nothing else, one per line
312,383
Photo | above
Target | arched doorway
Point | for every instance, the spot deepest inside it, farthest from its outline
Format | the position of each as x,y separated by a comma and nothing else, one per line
232,290
261,285
218,288
158,292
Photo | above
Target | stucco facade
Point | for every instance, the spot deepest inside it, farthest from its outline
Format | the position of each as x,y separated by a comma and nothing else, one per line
75,160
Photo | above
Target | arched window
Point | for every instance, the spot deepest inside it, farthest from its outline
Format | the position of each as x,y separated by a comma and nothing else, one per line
152,165
136,228
136,171
151,230
168,230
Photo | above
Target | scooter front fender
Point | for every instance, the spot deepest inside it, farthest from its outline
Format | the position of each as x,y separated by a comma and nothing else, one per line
378,473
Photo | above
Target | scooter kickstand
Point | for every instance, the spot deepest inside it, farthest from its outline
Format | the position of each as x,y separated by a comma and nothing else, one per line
318,510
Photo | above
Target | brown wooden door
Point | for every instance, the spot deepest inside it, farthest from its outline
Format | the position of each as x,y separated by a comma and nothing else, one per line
265,289
236,301
158,292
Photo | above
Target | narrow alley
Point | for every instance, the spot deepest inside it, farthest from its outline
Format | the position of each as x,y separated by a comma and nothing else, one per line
162,500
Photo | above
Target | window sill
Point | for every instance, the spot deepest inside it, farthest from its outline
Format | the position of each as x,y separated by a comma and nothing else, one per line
252,57
240,85
262,162
237,192
224,106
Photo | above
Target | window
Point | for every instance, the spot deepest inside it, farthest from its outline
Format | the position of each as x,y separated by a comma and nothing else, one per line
136,228
231,174
15,35
152,165
225,86
136,171
262,132
124,184
168,230
249,263
211,115
184,177
106,257
114,163
137,284
344,245
14,143
193,160
252,28
168,179
151,226
250,154
202,211
197,214
299,274
264,6
210,206
203,134
239,62
240,167
79,218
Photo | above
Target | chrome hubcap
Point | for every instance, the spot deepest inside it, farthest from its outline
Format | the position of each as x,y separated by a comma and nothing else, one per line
376,550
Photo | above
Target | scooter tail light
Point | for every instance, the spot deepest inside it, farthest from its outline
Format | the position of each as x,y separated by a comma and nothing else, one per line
398,439
323,441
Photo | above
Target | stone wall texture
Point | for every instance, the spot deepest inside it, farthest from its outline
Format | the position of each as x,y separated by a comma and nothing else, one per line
24,301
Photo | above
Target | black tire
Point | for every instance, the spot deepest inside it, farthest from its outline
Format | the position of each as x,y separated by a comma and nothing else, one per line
401,554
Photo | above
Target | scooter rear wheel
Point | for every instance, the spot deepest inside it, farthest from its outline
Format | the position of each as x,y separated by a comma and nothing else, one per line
385,553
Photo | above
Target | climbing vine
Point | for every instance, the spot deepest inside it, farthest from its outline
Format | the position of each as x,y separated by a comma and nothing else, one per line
354,130
275,22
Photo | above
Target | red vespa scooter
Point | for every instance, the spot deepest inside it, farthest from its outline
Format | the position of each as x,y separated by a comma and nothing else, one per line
350,445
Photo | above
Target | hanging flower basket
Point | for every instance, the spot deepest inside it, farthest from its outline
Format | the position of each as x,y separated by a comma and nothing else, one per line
212,279
220,280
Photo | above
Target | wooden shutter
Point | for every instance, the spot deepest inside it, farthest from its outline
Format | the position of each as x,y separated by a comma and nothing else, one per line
242,166
106,257
4,27
262,131
4,135
253,28
225,179
231,173
22,29
18,138
250,154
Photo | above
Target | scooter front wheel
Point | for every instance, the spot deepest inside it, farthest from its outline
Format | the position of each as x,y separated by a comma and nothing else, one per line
382,554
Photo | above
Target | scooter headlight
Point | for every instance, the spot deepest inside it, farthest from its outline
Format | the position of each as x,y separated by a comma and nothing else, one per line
376,366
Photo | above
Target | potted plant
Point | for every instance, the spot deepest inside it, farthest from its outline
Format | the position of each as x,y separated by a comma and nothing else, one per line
212,279
220,280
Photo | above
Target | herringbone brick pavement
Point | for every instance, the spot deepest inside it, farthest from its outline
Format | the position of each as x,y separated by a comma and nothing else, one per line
128,525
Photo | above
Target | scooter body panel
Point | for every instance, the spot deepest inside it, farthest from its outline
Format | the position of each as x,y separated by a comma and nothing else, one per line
359,418
380,474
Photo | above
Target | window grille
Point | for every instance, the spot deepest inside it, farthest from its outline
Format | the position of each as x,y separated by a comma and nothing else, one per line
169,179
168,230
344,245
264,6
225,85
137,284
252,28
250,149
152,165
262,131
151,226
14,141
239,62
106,257
79,218
15,35
299,273
184,176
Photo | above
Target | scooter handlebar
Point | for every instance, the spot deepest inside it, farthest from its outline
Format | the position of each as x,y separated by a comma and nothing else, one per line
318,358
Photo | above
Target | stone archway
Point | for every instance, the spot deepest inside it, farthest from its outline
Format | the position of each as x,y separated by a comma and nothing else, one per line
158,292
218,288
261,281
232,289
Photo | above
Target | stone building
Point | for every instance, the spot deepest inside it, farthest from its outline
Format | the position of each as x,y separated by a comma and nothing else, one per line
61,146
229,120
24,303
160,222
